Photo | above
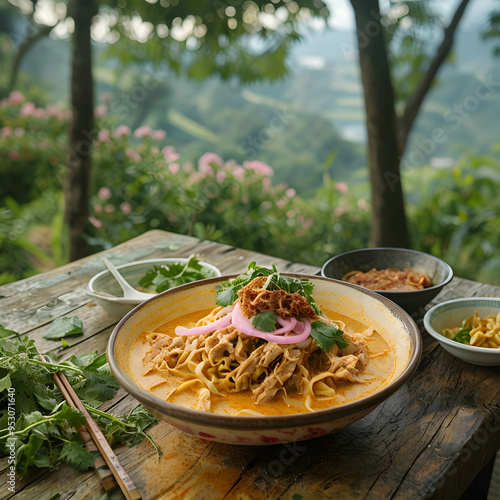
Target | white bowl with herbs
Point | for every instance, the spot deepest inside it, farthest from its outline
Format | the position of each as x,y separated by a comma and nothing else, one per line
150,276
468,328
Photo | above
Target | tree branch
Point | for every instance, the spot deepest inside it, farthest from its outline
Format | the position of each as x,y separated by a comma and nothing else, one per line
25,46
415,101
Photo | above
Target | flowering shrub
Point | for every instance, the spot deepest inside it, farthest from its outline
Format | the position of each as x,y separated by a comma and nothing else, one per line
32,143
139,183
216,199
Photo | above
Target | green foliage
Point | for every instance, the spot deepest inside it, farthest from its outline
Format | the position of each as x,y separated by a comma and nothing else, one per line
209,38
457,217
35,420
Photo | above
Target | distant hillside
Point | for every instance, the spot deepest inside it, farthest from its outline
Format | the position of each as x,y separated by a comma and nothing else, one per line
297,123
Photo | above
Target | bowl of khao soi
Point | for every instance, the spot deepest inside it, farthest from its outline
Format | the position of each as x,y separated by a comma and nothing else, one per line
408,277
264,357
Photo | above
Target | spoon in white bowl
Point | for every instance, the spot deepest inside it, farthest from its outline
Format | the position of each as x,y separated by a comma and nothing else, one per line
129,292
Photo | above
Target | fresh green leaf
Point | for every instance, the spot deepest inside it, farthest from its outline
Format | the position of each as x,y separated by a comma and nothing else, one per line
74,454
265,321
5,383
463,336
327,335
64,327
4,332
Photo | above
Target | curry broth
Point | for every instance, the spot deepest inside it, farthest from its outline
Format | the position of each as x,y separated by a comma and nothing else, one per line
377,374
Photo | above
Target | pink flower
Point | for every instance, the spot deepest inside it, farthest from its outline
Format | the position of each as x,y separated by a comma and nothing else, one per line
100,110
158,135
97,208
126,207
133,155
95,222
121,130
259,167
27,109
338,211
174,168
14,155
363,205
103,135
104,193
19,131
342,187
106,96
170,153
6,132
39,112
204,163
239,172
109,208
266,182
143,131
16,97
220,176
290,214
290,192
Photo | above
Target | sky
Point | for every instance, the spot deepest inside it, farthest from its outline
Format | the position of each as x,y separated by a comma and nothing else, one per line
343,17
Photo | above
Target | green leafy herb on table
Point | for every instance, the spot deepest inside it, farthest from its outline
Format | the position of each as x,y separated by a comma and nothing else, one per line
64,327
164,277
44,430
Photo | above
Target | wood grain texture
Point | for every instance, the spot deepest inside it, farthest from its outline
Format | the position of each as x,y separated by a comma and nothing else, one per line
428,440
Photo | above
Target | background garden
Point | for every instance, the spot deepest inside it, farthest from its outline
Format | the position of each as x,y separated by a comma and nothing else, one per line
278,165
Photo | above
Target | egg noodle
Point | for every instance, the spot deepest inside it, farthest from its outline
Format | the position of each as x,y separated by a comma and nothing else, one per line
223,360
482,332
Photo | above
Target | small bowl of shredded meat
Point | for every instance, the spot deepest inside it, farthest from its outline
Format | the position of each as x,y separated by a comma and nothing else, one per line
408,277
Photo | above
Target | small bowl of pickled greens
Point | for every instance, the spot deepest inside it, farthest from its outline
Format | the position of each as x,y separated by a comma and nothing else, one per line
151,276
468,328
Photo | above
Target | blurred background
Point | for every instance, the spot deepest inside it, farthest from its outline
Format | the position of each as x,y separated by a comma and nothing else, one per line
243,122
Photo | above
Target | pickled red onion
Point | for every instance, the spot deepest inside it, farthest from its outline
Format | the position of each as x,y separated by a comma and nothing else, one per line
200,330
244,325
305,330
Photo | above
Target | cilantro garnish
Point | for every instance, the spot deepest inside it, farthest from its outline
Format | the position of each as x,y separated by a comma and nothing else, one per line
166,276
265,321
227,290
44,429
327,335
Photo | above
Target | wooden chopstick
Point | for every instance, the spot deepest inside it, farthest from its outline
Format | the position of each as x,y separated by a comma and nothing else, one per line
127,486
103,471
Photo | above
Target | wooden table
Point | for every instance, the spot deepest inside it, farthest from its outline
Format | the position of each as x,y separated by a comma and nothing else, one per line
429,440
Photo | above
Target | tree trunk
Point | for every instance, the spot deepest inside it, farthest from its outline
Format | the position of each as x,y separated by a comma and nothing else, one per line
76,189
388,218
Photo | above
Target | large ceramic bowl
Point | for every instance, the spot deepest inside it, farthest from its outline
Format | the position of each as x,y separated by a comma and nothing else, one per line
394,324
450,314
439,272
106,291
